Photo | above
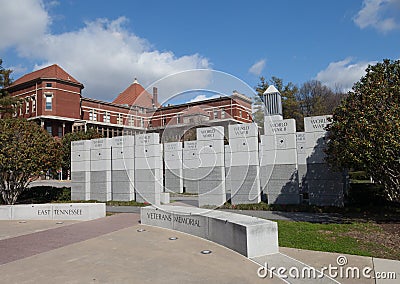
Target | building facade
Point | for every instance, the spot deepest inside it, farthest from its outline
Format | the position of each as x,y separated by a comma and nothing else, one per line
53,98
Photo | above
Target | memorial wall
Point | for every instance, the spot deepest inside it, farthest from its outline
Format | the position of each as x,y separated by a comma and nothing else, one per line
285,166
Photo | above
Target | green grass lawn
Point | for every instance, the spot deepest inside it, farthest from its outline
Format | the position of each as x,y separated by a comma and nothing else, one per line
355,238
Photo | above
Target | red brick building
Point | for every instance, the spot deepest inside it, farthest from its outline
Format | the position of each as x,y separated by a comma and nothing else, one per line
53,98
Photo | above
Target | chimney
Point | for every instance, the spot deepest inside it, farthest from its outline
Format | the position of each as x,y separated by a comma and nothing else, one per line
155,96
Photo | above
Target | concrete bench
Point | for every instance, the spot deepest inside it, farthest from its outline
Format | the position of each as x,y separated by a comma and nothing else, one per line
249,236
53,211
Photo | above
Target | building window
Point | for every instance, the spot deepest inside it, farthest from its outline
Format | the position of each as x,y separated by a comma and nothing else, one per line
33,99
119,119
141,122
215,114
106,117
49,101
178,118
93,115
131,120
49,129
49,85
223,113
27,105
164,121
60,131
240,113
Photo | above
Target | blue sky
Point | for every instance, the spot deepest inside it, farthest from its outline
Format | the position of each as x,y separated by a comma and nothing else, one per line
105,44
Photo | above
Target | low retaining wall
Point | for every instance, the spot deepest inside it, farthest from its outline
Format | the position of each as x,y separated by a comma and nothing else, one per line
249,236
59,211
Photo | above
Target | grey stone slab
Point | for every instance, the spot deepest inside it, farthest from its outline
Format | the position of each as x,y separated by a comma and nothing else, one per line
276,172
192,224
173,173
323,186
245,198
323,172
77,166
283,198
100,165
148,198
247,235
123,197
214,200
278,157
281,186
191,186
211,187
77,194
150,186
80,155
100,196
228,234
213,174
123,187
196,174
147,175
78,176
326,200
244,158
174,185
122,176
249,187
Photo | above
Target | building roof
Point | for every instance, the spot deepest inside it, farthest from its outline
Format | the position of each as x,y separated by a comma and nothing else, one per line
195,110
135,94
271,90
50,72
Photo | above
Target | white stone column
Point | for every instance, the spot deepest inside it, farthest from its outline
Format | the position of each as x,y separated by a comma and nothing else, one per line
278,162
245,169
228,160
100,169
191,163
211,171
173,167
80,170
123,168
148,168
320,185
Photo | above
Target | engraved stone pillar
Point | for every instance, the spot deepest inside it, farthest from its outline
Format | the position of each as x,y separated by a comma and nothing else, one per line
211,171
123,168
279,162
173,167
80,170
245,169
148,168
100,169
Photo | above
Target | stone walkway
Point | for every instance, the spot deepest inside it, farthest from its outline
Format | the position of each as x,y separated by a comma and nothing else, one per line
114,250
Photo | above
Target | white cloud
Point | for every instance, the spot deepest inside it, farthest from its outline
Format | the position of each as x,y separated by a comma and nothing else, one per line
203,97
103,55
342,74
376,13
21,22
257,67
